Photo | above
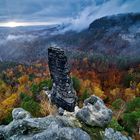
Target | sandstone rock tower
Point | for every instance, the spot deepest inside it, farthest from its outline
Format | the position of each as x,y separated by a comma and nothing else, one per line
62,93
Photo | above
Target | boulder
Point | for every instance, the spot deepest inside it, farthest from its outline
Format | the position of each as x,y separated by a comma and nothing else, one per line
51,127
94,112
20,113
111,134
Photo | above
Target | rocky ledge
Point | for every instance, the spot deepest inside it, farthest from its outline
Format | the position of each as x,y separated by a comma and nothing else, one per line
78,125
23,127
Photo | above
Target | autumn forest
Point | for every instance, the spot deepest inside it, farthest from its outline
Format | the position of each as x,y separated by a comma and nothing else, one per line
24,86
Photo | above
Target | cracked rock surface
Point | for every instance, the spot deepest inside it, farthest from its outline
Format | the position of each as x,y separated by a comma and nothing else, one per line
23,127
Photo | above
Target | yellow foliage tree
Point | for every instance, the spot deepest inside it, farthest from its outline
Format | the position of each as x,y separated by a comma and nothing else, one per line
7,105
5,91
138,89
130,93
98,92
23,79
115,92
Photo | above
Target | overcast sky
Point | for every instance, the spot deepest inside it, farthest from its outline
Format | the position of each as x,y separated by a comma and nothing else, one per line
59,10
41,9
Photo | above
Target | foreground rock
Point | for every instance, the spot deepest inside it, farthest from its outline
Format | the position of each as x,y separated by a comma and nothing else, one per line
110,134
23,127
66,127
62,93
94,112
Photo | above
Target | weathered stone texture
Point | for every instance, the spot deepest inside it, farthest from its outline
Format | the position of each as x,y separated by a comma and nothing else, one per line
23,127
94,112
62,93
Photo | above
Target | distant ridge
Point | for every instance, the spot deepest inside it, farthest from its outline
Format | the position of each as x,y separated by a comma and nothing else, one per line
116,35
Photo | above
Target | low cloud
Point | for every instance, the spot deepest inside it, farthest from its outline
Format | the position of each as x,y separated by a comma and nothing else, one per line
79,13
17,39
20,38
93,12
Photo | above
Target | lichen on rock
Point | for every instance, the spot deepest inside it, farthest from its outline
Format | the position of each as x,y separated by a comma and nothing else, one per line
50,127
111,134
94,112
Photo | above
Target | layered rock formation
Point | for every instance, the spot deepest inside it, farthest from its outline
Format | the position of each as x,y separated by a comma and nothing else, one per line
62,93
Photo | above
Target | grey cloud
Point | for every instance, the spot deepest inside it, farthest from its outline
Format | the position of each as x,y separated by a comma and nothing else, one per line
79,12
90,13
28,9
